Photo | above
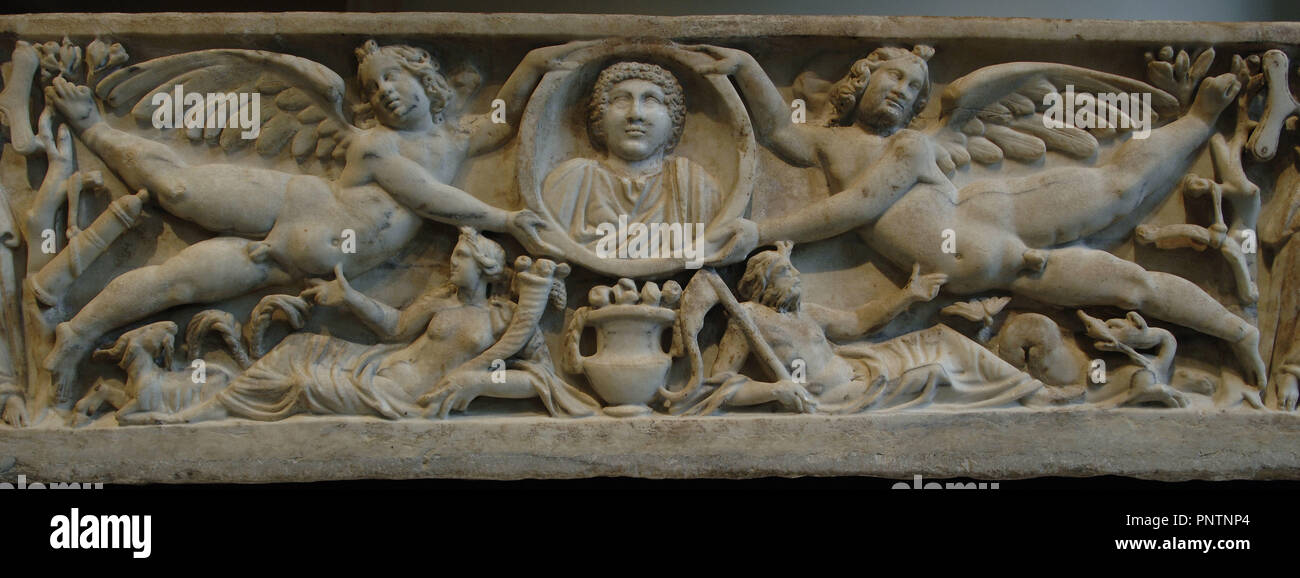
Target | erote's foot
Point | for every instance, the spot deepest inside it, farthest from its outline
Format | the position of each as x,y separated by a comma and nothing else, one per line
69,350
75,103
1252,365
1214,96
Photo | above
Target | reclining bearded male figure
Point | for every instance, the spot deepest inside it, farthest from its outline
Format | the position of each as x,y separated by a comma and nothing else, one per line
1012,234
935,364
396,173
636,114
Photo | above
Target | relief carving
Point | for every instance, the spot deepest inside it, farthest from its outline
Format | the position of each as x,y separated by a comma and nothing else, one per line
637,158
755,233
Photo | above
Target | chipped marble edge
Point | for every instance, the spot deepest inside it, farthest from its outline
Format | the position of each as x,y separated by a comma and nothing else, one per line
988,445
553,26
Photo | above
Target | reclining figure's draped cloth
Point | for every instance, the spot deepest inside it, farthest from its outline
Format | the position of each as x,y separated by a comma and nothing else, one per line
908,371
319,374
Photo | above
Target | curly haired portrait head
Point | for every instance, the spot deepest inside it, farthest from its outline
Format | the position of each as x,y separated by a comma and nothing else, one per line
598,106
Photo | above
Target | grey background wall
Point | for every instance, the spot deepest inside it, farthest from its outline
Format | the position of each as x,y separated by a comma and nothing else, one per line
1204,10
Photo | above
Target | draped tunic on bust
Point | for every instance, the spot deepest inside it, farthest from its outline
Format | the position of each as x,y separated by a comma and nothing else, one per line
584,193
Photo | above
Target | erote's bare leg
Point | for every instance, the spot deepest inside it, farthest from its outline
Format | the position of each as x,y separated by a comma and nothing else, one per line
207,271
220,198
1078,277
1163,157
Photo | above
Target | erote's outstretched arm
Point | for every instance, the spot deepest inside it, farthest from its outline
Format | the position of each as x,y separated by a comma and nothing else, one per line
413,186
910,160
768,109
488,136
838,214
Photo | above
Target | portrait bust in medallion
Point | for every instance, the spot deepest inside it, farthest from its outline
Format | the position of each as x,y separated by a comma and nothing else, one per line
636,115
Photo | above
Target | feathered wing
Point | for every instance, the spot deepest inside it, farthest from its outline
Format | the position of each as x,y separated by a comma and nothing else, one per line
814,91
997,112
301,101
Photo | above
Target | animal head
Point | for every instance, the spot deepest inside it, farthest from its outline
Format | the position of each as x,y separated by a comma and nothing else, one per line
1131,330
154,342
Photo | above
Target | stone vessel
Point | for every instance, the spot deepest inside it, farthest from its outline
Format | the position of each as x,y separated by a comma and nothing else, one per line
630,365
